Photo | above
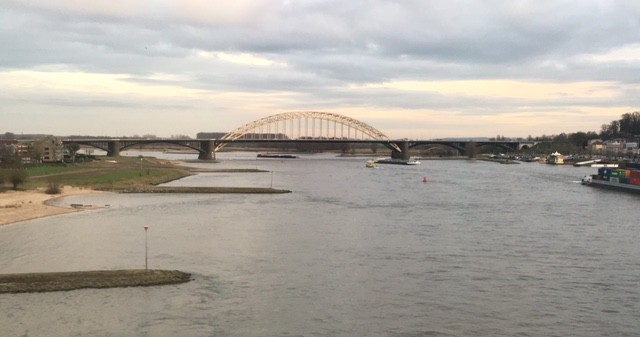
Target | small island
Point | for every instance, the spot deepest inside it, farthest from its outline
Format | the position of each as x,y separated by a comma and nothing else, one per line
65,281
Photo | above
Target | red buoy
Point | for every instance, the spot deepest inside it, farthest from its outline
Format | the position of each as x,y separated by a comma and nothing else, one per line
424,180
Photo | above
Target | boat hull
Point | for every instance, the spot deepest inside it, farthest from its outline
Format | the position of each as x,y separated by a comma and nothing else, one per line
596,163
604,165
611,185
277,156
397,162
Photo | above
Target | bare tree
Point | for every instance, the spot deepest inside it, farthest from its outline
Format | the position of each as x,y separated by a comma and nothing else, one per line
73,148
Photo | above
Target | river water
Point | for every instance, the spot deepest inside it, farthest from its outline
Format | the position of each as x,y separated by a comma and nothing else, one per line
481,249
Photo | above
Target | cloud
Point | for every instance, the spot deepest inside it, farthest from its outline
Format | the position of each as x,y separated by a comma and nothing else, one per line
251,58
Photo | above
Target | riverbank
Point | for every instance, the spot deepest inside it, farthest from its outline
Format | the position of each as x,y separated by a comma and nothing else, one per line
64,281
16,206
122,174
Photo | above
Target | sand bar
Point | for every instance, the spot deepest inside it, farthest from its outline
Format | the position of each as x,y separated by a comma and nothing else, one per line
16,206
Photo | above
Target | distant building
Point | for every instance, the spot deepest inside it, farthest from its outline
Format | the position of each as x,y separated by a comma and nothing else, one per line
631,147
25,152
595,146
49,149
614,146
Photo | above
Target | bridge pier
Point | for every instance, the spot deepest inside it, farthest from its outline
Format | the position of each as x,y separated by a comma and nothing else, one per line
113,147
206,149
404,153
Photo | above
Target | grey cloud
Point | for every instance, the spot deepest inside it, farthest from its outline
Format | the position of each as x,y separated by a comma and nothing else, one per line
353,41
329,45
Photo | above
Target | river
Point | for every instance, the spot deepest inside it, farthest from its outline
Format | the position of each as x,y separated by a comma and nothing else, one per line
480,249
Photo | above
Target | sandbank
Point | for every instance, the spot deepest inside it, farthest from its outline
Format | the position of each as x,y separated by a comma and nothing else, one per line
16,206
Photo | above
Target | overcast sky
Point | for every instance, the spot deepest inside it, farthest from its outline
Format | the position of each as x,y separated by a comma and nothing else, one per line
412,69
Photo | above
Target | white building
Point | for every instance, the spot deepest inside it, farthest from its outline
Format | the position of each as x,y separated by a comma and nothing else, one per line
631,147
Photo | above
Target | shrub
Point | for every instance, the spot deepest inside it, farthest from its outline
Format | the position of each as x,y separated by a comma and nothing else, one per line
18,177
53,188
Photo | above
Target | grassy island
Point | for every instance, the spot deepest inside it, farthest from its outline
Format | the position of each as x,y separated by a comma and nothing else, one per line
130,175
64,281
107,174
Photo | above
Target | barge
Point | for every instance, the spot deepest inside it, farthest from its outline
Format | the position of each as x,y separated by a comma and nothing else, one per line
277,156
398,161
625,179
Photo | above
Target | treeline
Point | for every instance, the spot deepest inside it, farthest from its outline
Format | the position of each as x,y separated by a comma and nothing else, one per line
627,127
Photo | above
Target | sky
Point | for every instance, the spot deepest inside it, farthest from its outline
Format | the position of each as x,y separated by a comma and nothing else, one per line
419,69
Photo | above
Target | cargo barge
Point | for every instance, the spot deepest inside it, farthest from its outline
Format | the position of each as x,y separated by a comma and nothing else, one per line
626,178
398,161
277,156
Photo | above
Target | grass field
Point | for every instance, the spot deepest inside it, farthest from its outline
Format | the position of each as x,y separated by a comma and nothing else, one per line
107,174
48,170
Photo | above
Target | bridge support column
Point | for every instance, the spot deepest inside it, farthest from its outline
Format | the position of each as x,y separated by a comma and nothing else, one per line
404,147
114,148
206,148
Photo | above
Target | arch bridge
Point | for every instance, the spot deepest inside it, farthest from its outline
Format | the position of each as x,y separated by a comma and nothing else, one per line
306,126
291,127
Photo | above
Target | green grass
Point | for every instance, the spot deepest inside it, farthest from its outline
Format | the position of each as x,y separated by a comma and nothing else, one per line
123,173
125,178
47,170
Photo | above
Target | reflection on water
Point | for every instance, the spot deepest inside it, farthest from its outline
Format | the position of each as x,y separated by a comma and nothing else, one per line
480,250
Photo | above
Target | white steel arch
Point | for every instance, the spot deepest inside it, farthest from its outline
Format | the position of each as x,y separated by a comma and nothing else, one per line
306,125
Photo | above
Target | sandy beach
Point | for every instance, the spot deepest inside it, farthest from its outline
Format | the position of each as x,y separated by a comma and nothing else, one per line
18,206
